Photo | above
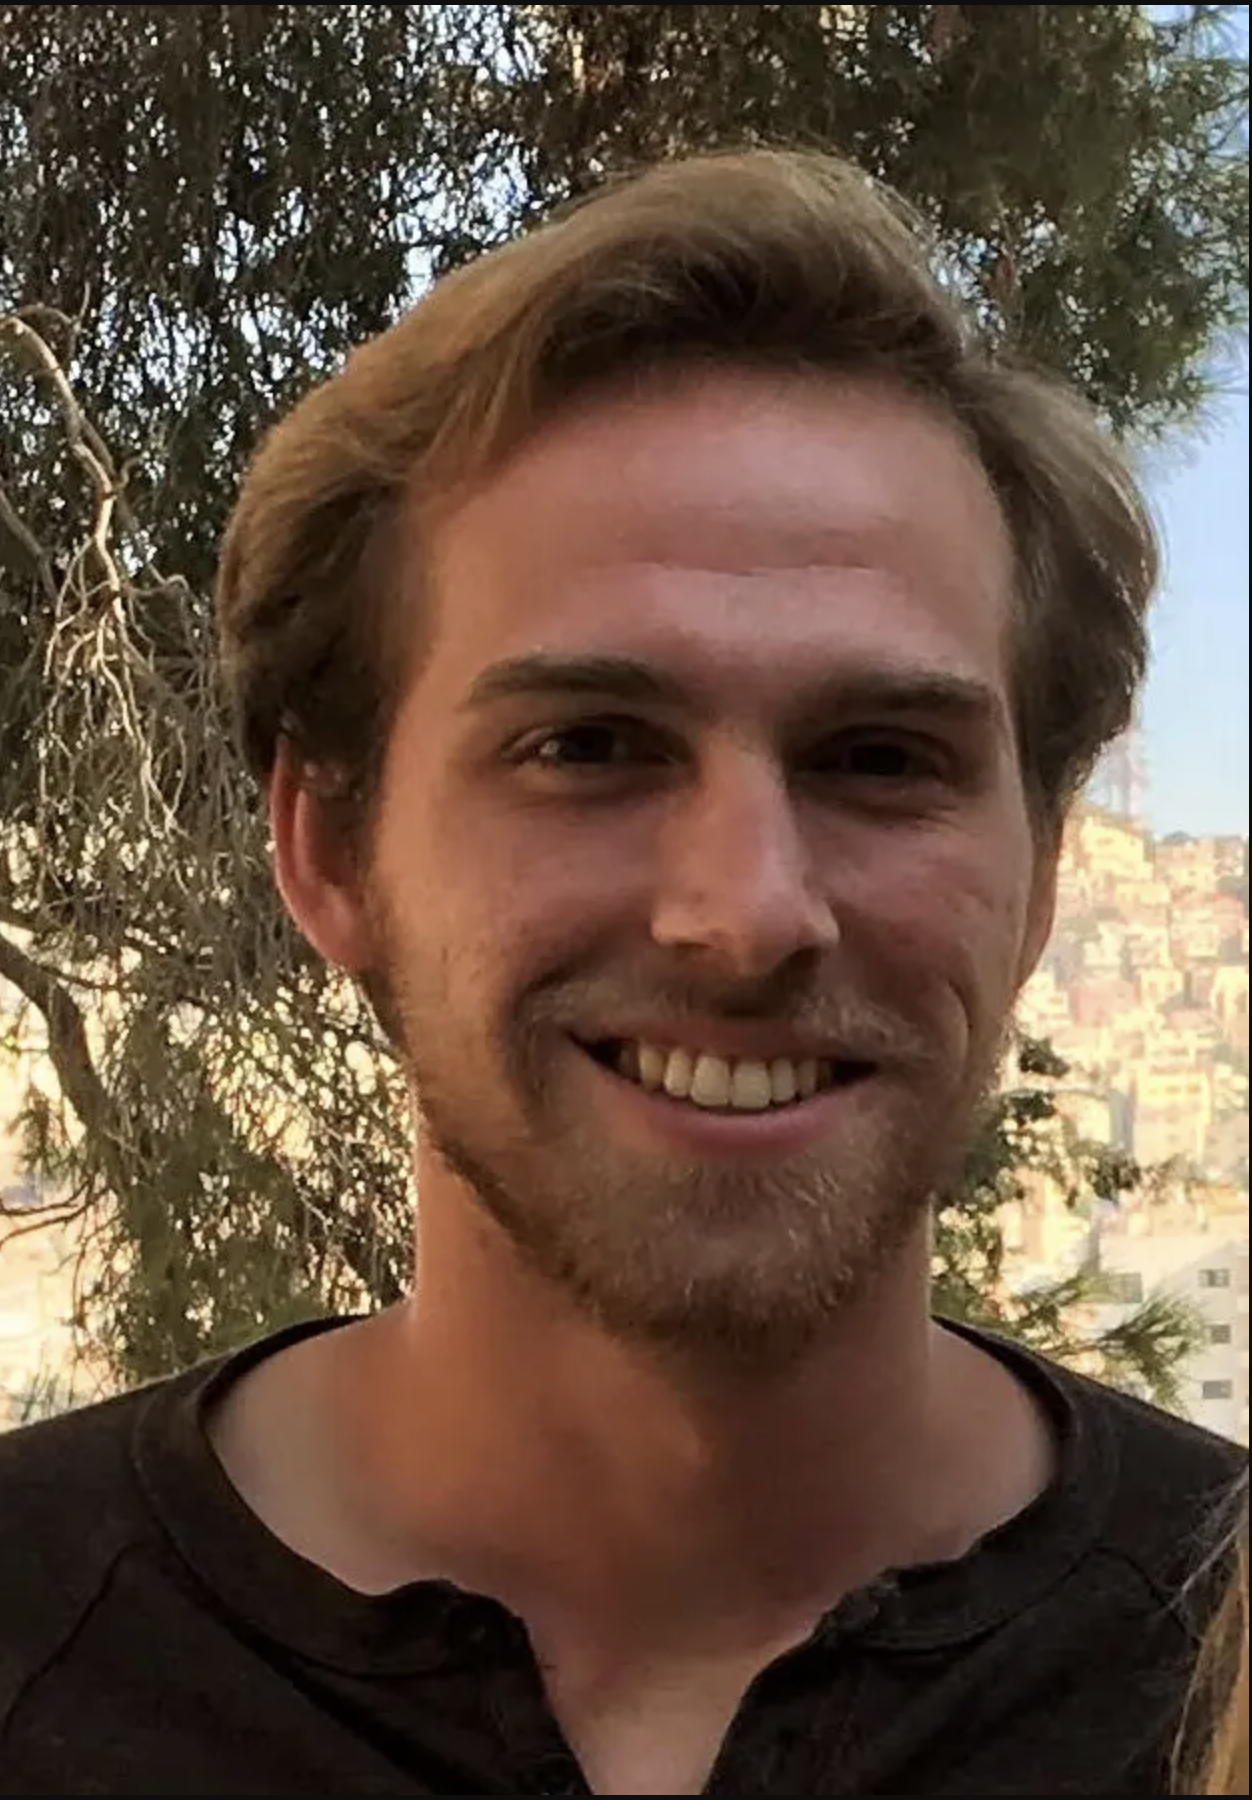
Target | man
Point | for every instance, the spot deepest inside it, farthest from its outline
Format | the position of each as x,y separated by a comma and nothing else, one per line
669,654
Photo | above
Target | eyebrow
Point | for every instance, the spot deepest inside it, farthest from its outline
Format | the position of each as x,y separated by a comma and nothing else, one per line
544,675
540,675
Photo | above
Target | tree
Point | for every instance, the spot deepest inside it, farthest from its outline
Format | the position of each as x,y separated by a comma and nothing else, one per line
203,208
1026,1142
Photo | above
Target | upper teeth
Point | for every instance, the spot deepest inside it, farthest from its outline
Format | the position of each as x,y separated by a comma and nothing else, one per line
744,1083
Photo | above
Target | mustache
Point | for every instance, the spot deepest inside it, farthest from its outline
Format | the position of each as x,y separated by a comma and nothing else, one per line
864,1029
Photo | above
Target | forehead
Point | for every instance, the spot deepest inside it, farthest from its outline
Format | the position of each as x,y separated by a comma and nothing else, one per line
756,527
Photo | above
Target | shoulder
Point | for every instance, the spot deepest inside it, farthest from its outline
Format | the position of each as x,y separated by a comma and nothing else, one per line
1170,1487
1145,1493
75,1467
1157,1449
70,1507
92,1500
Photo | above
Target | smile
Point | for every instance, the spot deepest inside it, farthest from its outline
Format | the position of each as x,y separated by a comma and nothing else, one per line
691,1076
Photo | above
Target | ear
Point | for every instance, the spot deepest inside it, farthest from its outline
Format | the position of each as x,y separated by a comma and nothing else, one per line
1041,911
317,874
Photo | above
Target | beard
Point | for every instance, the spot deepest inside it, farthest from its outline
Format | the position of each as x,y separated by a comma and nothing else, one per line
727,1261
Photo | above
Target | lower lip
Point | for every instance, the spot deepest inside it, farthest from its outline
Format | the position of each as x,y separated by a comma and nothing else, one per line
696,1131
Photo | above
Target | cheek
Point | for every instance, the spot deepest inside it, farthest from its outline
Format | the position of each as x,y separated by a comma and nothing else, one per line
939,917
503,897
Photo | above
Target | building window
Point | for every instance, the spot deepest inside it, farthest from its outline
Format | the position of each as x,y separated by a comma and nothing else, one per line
1121,1287
1216,1390
1220,1334
1214,1278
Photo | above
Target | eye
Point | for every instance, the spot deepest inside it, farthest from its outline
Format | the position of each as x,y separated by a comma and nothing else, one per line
592,746
884,759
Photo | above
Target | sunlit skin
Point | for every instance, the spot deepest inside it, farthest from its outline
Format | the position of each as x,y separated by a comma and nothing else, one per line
710,744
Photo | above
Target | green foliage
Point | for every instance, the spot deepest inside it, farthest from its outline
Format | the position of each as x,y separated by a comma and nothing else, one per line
1026,1143
203,208
43,1397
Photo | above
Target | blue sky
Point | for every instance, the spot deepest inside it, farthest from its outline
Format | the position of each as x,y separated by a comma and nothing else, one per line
1195,715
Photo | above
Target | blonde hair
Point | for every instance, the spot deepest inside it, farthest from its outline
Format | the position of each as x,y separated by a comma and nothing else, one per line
773,258
1213,1745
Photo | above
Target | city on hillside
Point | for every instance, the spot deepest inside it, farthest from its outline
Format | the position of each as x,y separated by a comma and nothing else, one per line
1143,992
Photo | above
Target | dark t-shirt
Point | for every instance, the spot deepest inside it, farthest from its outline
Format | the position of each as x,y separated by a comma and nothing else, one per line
156,1639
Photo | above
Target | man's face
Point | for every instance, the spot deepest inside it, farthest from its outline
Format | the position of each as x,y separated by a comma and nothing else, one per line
703,878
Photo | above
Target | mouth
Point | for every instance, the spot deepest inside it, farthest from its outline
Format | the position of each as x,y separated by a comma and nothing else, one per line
691,1077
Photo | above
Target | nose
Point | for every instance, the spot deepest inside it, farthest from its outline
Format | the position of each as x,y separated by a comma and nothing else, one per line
736,882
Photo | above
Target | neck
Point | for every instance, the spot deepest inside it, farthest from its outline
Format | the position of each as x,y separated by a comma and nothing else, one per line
533,1457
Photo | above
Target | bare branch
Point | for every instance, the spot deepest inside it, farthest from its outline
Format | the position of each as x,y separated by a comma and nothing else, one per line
68,1046
21,549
